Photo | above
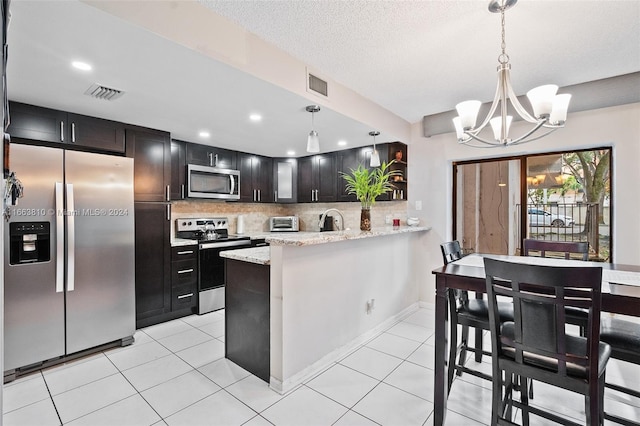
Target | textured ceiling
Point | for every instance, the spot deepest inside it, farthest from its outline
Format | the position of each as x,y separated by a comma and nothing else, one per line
418,58
414,58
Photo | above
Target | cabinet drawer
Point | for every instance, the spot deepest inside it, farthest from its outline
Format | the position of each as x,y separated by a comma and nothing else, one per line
184,252
184,272
183,297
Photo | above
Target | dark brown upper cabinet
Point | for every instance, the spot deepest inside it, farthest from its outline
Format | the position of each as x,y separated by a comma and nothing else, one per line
151,153
255,178
317,178
206,155
48,125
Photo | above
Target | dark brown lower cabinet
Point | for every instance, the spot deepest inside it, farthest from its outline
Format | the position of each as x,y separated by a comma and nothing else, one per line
153,263
247,333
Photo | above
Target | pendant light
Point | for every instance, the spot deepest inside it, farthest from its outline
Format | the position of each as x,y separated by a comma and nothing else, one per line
549,110
375,157
313,142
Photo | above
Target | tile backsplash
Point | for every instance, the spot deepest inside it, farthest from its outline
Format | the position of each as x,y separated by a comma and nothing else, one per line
256,216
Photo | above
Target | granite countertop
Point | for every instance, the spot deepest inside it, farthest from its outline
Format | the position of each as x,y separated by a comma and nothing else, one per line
312,238
259,255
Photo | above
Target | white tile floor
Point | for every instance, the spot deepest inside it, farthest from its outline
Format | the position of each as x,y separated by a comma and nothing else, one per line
176,374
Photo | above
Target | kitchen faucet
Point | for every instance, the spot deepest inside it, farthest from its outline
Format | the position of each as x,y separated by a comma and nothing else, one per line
324,217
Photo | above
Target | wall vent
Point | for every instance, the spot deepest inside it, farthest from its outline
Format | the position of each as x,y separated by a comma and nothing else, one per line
318,85
99,91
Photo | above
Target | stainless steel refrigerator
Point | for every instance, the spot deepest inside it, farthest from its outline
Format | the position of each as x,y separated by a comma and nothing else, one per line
69,255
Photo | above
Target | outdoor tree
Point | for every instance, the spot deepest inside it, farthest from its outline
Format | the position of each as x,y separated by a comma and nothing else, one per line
591,171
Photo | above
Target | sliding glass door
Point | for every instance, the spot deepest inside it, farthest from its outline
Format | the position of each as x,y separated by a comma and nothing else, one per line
559,196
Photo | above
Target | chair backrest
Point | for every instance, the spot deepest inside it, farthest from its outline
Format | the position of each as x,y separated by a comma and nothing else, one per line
562,249
537,336
450,251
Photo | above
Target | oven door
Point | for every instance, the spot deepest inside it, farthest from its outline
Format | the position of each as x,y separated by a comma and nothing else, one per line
212,277
210,182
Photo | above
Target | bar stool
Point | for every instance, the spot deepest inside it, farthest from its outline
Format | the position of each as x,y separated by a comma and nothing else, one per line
535,346
624,338
467,313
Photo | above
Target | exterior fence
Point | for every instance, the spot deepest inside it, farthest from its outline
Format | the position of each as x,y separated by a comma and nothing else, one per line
563,222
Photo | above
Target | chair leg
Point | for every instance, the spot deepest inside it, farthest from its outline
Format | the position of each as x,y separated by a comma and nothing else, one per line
496,397
463,347
478,344
592,401
524,398
453,351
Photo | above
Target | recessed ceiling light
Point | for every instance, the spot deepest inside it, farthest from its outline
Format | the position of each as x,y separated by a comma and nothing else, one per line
342,143
83,66
204,134
255,117
291,153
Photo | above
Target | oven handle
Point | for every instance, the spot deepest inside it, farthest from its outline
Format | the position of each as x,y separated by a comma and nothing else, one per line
225,244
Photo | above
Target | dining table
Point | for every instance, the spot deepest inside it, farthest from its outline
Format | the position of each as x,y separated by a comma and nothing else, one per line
620,295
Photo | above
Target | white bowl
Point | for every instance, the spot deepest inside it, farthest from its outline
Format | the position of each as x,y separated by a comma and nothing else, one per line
413,221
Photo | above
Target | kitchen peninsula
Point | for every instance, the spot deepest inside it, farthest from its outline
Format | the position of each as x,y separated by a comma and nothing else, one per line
323,294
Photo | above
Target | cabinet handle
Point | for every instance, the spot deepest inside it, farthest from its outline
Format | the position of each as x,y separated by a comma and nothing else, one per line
259,195
215,163
182,191
210,159
169,212
168,192
62,131
312,195
255,196
73,132
186,271
275,196
185,296
186,252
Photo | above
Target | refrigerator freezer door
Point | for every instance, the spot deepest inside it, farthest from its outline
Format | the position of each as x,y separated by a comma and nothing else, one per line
33,310
101,306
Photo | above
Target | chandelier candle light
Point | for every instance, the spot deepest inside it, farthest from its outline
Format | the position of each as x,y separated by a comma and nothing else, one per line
313,142
549,109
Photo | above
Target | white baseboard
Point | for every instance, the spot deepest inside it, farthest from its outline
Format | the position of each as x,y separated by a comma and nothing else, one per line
326,361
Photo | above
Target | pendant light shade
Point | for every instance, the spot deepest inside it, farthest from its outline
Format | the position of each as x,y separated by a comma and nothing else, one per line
375,156
313,141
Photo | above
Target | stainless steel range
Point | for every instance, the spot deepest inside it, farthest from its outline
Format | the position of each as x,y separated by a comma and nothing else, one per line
213,237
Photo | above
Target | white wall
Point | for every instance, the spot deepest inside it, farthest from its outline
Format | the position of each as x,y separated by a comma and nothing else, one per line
430,176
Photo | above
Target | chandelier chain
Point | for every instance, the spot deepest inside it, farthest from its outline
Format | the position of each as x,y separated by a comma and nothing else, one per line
503,58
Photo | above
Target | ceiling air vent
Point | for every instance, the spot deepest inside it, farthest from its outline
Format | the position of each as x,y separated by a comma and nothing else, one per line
99,91
318,85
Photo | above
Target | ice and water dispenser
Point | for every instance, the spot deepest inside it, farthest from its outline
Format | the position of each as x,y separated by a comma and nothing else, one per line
29,242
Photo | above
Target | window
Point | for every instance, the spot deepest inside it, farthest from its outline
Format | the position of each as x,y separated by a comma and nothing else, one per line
566,197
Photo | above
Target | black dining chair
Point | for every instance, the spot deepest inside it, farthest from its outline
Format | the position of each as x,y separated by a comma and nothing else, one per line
576,250
468,313
624,338
535,346
559,249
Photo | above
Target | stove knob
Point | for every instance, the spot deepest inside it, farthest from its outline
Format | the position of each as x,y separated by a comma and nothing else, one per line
190,223
184,223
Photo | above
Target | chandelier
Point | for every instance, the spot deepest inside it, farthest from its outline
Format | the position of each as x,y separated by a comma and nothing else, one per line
549,109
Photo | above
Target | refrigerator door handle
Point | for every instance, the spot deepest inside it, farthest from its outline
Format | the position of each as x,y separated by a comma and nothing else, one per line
71,239
59,220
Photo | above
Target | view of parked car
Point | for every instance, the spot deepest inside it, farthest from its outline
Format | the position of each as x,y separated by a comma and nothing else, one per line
539,217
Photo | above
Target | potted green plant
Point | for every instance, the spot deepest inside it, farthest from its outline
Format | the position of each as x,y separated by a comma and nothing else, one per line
367,185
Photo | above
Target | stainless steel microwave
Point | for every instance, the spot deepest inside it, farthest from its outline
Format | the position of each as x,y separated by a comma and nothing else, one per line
211,182
284,223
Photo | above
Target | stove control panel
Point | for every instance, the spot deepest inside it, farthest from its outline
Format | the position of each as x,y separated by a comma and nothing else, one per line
203,225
